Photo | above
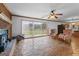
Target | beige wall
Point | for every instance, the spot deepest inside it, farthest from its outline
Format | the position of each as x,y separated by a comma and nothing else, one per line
17,24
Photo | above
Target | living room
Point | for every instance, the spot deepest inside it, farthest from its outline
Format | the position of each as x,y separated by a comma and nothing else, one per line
39,29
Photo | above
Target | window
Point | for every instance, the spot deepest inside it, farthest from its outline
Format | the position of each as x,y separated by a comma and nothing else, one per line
30,29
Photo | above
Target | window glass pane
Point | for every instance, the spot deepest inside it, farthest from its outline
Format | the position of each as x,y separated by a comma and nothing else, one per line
30,29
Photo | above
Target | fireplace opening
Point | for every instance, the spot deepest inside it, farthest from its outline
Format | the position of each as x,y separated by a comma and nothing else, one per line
3,39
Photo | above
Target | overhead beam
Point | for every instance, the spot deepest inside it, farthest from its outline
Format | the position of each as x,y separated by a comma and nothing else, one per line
37,18
5,11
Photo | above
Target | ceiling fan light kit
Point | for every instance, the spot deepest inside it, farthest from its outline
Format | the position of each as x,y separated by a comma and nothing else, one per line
55,14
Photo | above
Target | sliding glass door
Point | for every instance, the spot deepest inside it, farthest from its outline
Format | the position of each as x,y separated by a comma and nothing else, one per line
31,29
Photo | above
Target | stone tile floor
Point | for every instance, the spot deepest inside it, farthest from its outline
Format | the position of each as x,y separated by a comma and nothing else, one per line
42,46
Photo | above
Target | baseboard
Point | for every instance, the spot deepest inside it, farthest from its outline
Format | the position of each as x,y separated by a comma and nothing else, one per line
36,36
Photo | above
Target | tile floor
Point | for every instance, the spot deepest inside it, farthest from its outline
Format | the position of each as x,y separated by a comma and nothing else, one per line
42,46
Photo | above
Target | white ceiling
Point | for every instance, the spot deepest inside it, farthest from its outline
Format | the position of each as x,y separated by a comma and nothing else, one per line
39,10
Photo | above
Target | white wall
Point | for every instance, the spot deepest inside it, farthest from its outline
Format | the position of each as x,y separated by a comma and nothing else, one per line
53,25
17,25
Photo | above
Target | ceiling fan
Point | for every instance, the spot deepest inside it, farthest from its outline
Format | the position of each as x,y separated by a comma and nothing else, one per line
53,14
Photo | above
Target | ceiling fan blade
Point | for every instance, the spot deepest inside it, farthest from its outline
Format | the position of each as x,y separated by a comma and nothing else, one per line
58,14
49,16
56,17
